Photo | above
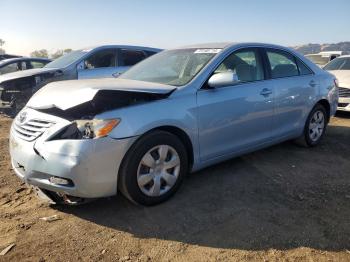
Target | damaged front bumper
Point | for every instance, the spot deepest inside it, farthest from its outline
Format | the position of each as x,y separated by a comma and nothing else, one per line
84,168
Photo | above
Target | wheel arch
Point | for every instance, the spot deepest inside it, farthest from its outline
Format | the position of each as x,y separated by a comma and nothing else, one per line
327,106
183,136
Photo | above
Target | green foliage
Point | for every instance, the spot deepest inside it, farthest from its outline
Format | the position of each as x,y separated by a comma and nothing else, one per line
40,53
60,53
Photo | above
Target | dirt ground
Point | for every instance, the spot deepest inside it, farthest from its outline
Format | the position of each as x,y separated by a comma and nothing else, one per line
284,203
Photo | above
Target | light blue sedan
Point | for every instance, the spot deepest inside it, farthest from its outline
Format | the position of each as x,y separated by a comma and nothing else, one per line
176,112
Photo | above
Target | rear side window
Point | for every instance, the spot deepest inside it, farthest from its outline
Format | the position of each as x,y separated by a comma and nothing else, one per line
101,59
131,57
303,70
246,64
282,64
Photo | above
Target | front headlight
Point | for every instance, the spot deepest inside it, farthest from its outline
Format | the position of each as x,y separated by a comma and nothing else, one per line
96,128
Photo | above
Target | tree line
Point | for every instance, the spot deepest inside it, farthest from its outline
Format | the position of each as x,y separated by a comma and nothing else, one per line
42,53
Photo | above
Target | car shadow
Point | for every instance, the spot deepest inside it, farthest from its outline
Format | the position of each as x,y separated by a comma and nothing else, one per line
281,197
343,114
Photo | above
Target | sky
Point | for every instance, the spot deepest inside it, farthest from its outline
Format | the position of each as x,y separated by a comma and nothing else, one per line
28,25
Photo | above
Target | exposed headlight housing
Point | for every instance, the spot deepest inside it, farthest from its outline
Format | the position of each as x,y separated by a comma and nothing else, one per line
87,129
96,128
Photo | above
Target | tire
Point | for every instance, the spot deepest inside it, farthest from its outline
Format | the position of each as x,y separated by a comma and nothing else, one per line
310,137
160,155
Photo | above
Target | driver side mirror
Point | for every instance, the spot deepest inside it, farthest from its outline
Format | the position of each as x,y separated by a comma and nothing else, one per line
223,79
81,66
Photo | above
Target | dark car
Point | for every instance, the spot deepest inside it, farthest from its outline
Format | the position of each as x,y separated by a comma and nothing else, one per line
99,62
7,56
23,63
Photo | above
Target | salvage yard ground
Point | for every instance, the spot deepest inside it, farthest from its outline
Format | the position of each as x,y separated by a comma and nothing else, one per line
282,203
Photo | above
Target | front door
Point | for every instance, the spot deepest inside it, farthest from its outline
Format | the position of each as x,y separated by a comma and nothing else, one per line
235,118
101,64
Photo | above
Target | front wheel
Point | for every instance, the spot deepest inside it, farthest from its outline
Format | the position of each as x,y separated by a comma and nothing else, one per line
315,127
153,169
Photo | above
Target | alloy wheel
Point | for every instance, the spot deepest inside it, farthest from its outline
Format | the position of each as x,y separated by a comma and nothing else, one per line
316,125
158,170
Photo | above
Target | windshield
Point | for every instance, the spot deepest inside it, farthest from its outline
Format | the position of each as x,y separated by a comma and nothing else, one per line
67,59
173,67
318,59
342,63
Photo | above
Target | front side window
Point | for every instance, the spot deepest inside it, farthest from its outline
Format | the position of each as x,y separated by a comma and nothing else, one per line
9,68
173,67
131,57
246,64
341,63
101,59
282,64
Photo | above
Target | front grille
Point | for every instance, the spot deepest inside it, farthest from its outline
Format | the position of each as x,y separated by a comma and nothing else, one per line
344,92
343,104
31,129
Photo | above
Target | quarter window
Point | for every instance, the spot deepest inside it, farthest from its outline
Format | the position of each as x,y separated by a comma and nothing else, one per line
131,57
104,58
246,64
303,70
282,64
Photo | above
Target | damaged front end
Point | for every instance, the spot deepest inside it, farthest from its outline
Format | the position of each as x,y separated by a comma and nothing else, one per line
83,123
60,147
16,91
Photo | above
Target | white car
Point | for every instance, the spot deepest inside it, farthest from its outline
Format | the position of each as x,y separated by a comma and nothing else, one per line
340,67
322,58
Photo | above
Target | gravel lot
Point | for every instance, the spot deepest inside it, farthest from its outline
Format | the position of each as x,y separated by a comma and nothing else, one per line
282,203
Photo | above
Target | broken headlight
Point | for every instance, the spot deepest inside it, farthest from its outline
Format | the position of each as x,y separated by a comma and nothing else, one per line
87,129
96,128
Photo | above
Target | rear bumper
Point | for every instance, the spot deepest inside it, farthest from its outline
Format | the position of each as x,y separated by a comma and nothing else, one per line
91,165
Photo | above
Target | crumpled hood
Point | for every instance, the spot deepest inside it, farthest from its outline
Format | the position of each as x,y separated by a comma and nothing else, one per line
68,94
25,73
343,77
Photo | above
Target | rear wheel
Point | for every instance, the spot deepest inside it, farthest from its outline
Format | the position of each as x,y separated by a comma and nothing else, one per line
153,169
315,127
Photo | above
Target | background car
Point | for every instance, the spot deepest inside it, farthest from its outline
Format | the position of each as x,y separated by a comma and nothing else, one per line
7,56
340,67
23,63
324,57
99,62
177,112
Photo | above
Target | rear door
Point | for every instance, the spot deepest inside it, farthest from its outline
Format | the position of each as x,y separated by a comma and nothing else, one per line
239,117
100,64
294,85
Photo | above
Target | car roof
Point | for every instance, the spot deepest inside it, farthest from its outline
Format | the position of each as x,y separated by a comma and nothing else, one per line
18,59
344,56
224,45
122,46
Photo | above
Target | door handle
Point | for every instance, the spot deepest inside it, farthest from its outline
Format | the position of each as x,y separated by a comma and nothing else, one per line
116,74
312,83
266,92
